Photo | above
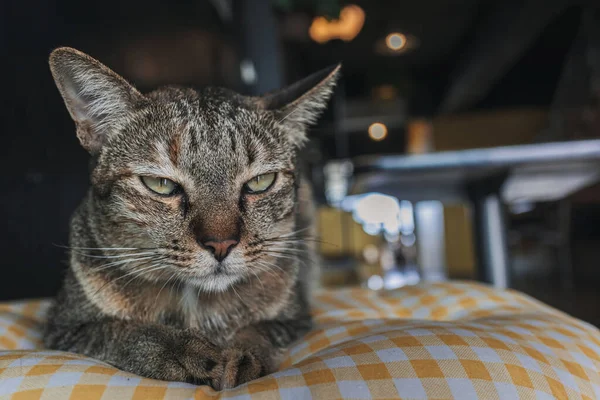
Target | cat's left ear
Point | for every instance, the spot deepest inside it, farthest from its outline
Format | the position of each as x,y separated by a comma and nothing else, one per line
299,105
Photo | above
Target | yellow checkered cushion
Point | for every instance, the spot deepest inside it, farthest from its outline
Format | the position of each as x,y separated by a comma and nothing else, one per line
445,340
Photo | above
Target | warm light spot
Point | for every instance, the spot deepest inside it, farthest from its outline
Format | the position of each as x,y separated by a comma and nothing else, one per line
377,131
346,28
395,41
420,136
396,44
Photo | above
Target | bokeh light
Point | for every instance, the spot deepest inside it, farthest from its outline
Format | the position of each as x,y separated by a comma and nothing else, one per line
378,131
395,41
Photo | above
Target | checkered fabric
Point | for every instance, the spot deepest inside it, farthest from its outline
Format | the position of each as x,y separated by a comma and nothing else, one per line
446,340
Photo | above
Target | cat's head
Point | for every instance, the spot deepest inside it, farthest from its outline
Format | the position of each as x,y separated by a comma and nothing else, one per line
198,184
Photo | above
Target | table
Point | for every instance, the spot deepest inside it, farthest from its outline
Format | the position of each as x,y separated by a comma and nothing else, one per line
488,179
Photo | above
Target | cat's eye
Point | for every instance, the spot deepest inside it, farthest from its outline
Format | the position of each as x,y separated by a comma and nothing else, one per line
163,186
260,183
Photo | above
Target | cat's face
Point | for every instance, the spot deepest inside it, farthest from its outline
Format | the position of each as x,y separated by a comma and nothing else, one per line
202,184
179,178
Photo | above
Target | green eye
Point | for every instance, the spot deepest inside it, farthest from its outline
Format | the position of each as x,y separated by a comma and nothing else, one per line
260,183
163,186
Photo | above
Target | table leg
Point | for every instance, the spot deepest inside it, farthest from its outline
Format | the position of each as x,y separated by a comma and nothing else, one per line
493,264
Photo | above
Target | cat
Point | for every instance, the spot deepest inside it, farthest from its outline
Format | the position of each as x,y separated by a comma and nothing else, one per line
190,256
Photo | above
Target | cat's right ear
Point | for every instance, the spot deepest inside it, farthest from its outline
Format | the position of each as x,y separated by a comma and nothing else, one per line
98,99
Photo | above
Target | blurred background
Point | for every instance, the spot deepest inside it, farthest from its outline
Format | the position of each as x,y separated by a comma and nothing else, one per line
418,166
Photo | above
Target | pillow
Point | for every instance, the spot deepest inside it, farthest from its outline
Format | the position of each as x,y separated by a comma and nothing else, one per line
442,340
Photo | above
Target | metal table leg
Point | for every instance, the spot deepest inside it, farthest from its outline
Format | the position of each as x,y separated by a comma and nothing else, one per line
493,264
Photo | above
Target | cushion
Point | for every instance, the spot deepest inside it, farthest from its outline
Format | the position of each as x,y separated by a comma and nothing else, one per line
443,340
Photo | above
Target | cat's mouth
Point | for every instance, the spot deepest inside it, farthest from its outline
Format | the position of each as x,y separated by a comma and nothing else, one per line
220,269
216,281
212,275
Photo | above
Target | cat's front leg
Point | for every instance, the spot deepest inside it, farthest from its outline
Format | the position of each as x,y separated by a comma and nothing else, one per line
257,350
150,350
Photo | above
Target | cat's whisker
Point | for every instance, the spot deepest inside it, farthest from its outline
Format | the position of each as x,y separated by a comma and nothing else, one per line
107,248
293,233
300,257
289,249
163,286
236,292
117,256
123,262
286,257
142,269
263,266
301,240
153,268
294,253
250,266
267,269
181,298
295,238
272,265
258,279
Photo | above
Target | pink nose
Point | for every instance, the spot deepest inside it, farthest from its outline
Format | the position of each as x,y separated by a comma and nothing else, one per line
220,249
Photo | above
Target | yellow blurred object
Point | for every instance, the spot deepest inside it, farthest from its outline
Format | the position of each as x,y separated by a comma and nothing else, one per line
346,28
458,233
420,136
331,224
338,278
330,228
341,236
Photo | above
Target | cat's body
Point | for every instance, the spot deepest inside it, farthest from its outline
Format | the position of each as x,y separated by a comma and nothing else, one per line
190,255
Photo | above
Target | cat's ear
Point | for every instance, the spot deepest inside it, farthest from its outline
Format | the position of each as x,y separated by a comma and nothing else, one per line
300,104
98,99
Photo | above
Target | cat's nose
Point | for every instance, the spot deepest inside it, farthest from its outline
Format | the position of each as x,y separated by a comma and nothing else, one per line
220,249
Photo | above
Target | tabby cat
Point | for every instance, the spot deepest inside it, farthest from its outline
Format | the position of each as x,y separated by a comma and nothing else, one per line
190,256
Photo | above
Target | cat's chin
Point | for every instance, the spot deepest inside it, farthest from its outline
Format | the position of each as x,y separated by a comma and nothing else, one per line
215,283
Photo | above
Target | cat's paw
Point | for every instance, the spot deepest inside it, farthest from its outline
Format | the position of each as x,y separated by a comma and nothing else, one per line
201,362
243,365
